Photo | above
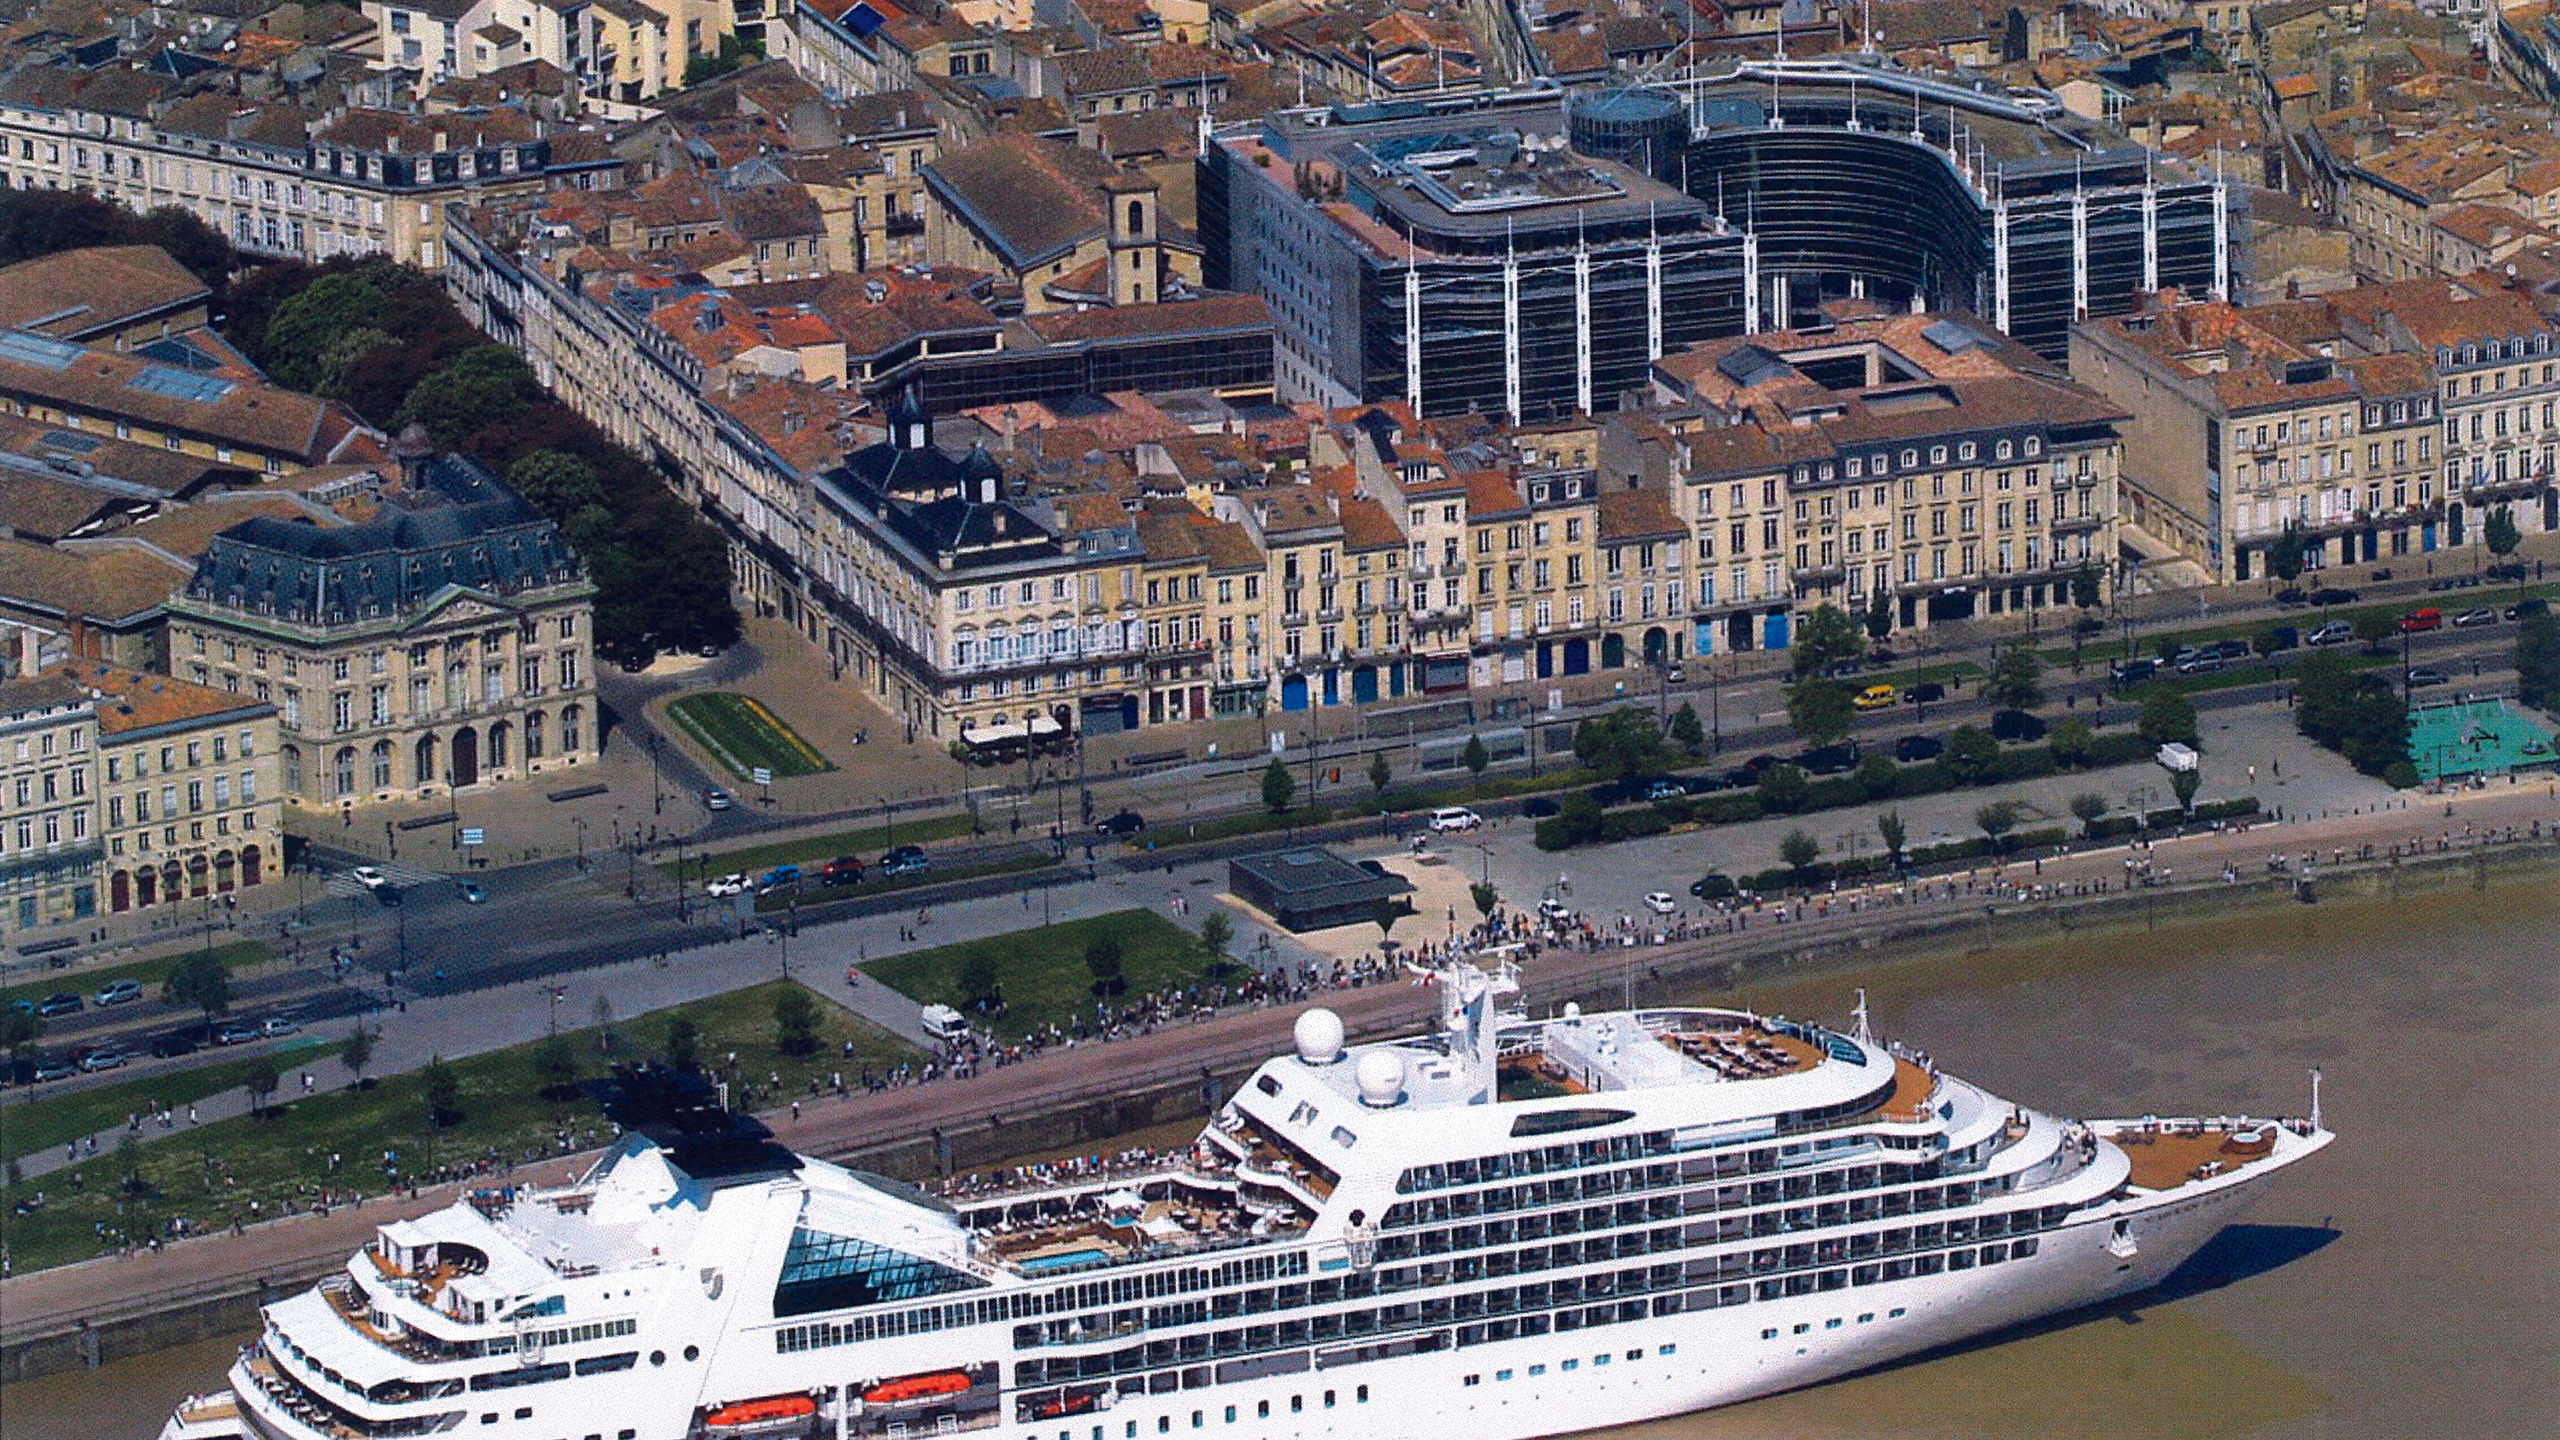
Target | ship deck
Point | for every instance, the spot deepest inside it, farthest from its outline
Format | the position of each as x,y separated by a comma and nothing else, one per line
2168,1156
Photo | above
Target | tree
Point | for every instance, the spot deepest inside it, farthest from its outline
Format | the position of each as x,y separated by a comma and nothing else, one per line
19,1032
1820,712
1384,914
2285,552
1579,817
1784,789
976,981
2015,682
1877,775
1996,820
41,222
444,1093
2184,784
1880,616
795,1021
1474,757
199,980
603,1014
2499,532
1484,898
303,329
2071,742
260,1085
1102,961
558,485
1686,731
1381,774
684,1044
2090,806
1279,787
1217,932
2084,586
356,1053
483,386
1619,745
1799,850
2538,659
2375,629
1890,830
555,1066
2166,716
1970,753
1827,637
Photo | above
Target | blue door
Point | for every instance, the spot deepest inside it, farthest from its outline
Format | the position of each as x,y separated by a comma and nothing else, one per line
1703,642
1364,684
1577,657
1773,631
2427,538
1395,680
1293,693
1546,660
1332,687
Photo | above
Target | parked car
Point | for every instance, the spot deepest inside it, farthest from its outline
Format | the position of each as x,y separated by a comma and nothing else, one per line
102,1057
2132,672
2232,649
1450,818
2417,621
842,870
716,798
1674,673
2484,615
234,1032
2505,570
1924,693
2292,595
1882,655
1750,769
2286,637
2204,664
2334,595
726,886
1660,902
1555,911
1877,697
906,860
283,1022
2017,725
175,1043
1830,759
2426,675
2530,605
1122,825
370,877
943,1023
1918,747
777,878
472,894
2336,632
1539,807
120,992
1714,885
1665,788
1703,784
61,1003
58,1068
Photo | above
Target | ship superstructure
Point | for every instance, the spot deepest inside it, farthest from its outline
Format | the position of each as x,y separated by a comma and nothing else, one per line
1503,1228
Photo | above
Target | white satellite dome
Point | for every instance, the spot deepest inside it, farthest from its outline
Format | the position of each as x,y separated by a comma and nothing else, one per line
1573,1009
1381,1076
1319,1036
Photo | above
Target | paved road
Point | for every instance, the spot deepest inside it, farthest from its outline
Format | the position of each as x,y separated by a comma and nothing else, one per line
306,1245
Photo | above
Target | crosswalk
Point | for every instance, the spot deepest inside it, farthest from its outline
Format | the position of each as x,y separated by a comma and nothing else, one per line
404,876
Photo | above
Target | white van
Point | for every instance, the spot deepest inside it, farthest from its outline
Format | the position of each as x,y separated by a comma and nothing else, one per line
944,1023
1454,817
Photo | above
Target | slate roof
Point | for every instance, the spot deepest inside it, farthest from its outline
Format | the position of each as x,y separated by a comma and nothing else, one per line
459,527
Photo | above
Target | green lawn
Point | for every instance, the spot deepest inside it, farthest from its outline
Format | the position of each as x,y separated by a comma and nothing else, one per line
742,734
210,1174
27,1128
234,956
754,860
1041,972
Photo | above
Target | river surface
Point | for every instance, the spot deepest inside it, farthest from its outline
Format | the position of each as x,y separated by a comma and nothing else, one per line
2402,1283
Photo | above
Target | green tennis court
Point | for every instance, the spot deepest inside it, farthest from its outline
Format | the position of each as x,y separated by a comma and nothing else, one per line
2476,737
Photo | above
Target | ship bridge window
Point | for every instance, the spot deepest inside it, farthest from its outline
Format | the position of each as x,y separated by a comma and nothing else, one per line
833,1272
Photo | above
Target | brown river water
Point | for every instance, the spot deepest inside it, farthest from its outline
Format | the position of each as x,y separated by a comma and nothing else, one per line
2400,1284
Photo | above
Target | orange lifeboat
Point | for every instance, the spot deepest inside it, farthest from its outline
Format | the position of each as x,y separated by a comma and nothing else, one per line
748,1417
908,1388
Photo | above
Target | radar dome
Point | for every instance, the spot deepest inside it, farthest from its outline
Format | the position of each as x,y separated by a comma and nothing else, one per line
1319,1036
1381,1075
1573,1009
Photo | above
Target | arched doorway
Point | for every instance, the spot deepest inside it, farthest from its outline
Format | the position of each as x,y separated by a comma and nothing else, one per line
1613,651
1293,693
466,757
501,735
119,892
199,876
533,735
224,871
173,883
2453,524
251,868
1657,646
425,773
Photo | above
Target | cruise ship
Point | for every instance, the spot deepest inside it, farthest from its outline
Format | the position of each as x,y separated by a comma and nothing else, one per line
1504,1228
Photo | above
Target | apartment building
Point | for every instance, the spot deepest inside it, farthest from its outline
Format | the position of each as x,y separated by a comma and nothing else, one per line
444,644
49,844
2491,348
185,411
190,799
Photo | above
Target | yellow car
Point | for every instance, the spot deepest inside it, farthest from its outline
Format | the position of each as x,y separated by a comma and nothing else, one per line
1875,697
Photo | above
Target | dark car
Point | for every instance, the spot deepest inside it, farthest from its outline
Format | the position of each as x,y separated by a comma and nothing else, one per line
1752,767
842,870
1539,807
1923,693
1830,759
1714,885
1918,747
2531,605
1122,825
2231,649
2334,595
905,860
472,894
175,1043
2016,725
1703,784
58,1068
2286,637
64,1003
2292,595
1882,655
2132,672
2426,675
2506,570
1663,789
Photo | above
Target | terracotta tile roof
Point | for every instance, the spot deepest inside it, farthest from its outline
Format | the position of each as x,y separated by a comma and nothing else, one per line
112,585
1637,515
1031,198
254,416
1366,525
1492,493
130,700
73,293
184,531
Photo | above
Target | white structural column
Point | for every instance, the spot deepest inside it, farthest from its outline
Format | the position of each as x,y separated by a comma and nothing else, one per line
2221,243
1413,337
2150,238
1781,302
2000,266
1511,335
1581,325
2079,254
1653,297
1750,283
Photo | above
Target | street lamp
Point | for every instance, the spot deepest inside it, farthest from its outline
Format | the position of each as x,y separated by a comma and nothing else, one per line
657,793
581,822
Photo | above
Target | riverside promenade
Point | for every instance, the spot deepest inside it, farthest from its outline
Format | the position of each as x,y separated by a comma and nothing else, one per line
2014,903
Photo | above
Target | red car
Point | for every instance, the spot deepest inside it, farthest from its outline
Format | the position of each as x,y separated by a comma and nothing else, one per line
2417,620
